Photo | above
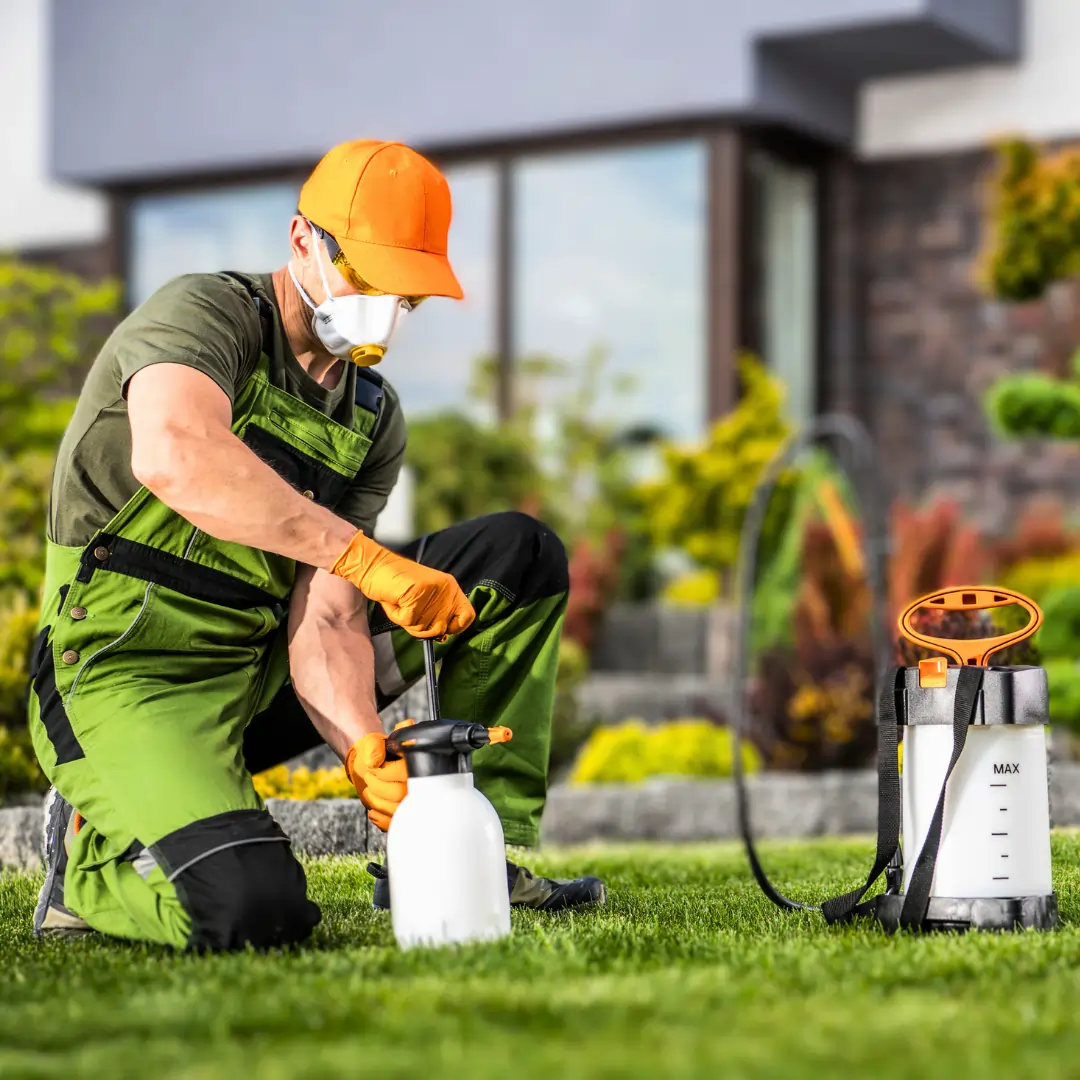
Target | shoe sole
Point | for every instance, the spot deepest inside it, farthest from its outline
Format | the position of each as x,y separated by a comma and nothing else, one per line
54,804
52,919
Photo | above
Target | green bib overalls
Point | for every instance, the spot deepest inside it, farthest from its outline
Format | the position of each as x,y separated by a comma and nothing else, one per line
159,644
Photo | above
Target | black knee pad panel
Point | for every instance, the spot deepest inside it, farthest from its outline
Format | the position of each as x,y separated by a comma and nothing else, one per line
239,881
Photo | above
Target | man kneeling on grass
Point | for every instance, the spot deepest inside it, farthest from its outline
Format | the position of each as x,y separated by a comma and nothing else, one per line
214,603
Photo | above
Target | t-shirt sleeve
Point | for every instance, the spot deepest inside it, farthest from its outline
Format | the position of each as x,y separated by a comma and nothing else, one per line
366,498
203,321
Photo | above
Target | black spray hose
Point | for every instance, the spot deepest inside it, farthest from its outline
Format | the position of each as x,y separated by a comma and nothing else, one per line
860,469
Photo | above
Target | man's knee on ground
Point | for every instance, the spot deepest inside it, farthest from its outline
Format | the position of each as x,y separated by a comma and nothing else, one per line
238,880
528,557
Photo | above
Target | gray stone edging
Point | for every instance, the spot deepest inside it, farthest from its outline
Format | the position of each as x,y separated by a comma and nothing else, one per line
319,827
782,805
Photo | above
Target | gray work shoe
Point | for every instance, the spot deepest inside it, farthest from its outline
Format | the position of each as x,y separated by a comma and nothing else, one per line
548,894
51,917
526,890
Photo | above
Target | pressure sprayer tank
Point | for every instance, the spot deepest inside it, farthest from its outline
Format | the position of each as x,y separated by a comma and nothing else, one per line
445,851
993,862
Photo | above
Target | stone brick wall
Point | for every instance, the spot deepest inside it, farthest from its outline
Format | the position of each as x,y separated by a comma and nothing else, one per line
933,342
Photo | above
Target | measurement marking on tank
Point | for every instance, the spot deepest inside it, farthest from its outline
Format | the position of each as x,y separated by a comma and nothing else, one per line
1004,856
1001,879
999,834
999,785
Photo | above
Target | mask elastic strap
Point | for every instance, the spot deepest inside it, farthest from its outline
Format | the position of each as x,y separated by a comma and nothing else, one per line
300,288
322,273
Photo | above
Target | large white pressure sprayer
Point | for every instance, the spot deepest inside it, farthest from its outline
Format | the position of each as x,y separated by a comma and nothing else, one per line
974,779
964,832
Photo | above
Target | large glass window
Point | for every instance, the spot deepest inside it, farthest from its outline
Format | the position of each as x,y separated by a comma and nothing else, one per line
609,255
787,200
433,356
231,228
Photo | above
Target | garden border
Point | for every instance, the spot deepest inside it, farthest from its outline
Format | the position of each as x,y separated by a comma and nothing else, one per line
674,810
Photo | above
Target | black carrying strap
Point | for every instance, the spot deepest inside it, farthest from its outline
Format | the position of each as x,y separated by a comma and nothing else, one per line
842,908
917,900
968,688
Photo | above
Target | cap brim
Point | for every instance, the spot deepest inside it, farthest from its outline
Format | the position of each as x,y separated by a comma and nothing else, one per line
401,271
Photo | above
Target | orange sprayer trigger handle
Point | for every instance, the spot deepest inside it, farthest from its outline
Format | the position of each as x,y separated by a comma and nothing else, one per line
970,598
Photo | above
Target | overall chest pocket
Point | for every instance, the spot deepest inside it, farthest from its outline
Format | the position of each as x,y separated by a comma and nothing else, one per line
311,477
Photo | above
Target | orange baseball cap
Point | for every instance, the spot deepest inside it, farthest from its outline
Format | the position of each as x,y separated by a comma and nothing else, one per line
389,210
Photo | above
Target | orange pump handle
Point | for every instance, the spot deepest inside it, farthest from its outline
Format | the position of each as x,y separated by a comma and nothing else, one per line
970,598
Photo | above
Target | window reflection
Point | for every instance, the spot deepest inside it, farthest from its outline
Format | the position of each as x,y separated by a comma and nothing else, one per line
609,252
430,362
788,238
242,228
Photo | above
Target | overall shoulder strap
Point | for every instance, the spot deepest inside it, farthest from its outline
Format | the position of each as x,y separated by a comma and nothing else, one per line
370,394
262,308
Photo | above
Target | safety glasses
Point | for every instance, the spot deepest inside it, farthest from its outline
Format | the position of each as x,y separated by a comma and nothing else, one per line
337,257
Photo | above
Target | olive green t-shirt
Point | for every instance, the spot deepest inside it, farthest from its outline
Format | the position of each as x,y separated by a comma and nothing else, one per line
208,322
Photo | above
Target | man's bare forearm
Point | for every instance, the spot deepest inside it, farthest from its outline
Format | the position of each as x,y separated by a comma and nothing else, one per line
223,488
333,674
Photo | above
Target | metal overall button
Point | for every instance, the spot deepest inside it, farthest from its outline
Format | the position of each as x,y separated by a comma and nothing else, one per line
78,613
308,494
69,656
101,553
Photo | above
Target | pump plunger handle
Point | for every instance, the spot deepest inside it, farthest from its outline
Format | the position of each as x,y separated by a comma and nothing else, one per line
432,684
970,598
429,652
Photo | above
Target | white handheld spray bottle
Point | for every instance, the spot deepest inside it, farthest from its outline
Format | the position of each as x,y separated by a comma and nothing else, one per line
445,850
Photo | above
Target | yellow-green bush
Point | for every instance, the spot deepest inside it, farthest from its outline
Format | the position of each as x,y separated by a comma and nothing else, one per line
1038,576
17,623
631,752
694,589
1034,237
304,783
19,771
698,501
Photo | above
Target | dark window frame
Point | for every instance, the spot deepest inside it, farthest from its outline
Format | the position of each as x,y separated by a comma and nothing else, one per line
732,315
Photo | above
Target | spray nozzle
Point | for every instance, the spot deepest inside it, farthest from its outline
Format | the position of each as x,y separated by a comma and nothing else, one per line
422,745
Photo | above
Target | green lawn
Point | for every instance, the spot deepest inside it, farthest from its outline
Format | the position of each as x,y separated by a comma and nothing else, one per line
687,972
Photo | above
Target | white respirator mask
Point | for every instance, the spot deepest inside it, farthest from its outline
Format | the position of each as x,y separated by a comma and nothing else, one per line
355,327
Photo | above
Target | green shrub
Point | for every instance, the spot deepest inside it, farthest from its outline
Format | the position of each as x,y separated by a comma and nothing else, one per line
1060,632
17,623
51,324
1032,404
1063,675
631,752
464,469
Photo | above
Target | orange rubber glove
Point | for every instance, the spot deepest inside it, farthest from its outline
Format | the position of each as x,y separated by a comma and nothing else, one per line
381,784
425,602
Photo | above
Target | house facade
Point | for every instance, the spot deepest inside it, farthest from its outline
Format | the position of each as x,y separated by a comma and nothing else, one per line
661,185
